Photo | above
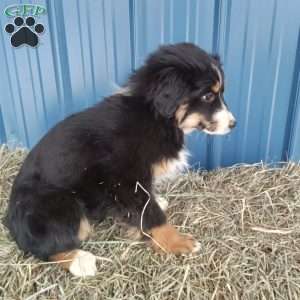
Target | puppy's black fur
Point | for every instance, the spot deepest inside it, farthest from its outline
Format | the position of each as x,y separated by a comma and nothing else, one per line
88,164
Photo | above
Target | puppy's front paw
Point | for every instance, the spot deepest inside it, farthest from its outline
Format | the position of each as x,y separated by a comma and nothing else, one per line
170,240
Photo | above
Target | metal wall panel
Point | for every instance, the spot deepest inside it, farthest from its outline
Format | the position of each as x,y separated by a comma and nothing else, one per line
89,48
257,41
83,55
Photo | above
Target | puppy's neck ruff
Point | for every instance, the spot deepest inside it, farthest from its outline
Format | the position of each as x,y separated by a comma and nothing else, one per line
171,168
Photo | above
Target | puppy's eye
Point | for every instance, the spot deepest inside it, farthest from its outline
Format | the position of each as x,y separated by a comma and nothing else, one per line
208,98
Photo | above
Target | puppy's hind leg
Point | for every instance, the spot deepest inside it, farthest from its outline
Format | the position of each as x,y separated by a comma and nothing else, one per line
80,263
51,227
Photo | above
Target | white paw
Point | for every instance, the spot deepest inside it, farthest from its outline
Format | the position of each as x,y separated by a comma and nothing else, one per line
83,264
197,247
162,202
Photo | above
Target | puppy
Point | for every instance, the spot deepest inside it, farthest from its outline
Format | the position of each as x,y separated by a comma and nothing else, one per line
88,166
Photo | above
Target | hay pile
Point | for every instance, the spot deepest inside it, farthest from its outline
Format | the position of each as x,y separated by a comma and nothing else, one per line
247,219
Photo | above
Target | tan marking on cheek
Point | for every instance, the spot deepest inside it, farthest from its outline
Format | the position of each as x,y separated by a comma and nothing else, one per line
192,121
216,87
180,112
171,240
84,229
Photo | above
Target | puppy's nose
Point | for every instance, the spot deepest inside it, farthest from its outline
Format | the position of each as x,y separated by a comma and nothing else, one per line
232,124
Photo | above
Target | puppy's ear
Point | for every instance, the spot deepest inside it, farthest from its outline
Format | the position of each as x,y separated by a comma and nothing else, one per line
217,58
167,94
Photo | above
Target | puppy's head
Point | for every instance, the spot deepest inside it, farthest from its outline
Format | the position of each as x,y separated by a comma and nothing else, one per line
184,83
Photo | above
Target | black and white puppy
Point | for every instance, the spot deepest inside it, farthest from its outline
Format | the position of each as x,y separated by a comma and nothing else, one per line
87,167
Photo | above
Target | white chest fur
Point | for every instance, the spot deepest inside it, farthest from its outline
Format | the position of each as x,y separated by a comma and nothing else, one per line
170,168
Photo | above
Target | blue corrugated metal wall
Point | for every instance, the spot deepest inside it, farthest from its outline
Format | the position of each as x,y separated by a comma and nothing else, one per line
89,48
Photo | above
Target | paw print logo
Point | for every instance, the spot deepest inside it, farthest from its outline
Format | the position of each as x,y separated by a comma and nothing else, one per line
24,32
